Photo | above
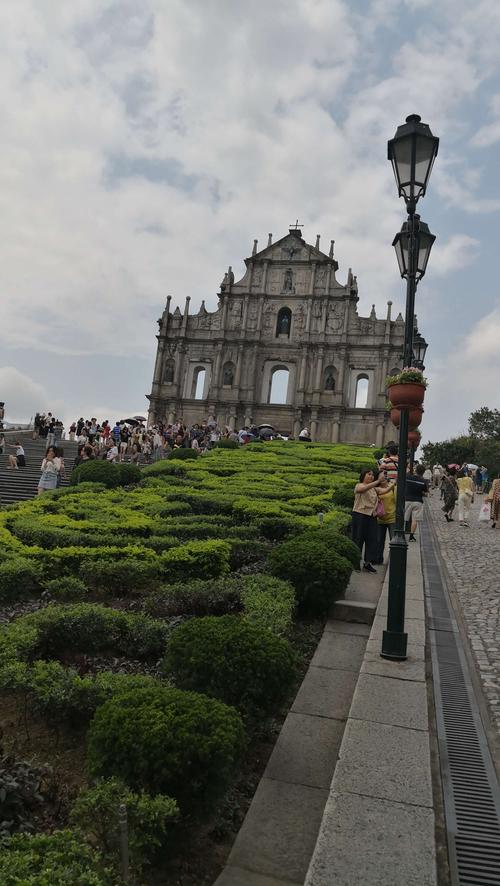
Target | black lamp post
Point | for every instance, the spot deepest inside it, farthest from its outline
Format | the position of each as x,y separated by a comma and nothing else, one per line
419,351
412,152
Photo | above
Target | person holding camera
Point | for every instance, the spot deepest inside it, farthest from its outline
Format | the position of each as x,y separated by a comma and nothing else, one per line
368,506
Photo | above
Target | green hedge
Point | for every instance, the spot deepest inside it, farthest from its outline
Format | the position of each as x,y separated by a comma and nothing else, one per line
58,859
197,559
18,577
167,741
233,660
317,572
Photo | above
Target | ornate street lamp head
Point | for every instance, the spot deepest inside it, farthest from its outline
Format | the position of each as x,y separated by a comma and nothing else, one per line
412,152
424,245
419,350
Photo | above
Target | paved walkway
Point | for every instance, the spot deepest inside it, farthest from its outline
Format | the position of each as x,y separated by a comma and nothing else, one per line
472,559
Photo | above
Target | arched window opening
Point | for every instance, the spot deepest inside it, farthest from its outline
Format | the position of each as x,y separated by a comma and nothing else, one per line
169,371
278,387
199,377
329,379
361,401
284,322
228,375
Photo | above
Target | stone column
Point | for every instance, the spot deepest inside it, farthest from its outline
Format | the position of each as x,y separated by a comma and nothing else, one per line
232,422
319,370
159,360
379,440
264,276
302,376
335,431
239,361
248,416
296,428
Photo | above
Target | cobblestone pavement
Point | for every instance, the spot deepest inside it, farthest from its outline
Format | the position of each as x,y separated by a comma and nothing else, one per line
472,558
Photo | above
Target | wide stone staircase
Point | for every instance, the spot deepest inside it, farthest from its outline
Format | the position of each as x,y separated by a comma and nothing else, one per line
23,484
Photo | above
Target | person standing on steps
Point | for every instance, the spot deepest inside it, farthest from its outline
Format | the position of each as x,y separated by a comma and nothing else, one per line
386,522
465,497
364,516
415,490
51,465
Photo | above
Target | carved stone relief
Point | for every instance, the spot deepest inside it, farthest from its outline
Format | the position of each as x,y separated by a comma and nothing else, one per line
335,318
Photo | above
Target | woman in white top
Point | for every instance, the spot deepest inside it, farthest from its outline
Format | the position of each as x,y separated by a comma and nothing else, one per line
18,460
51,465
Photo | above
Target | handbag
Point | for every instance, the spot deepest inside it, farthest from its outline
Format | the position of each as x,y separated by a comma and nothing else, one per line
484,514
379,510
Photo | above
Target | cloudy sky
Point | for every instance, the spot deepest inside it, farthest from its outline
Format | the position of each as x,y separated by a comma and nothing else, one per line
145,143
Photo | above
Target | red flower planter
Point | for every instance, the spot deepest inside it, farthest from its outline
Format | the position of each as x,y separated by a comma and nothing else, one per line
414,438
411,394
414,417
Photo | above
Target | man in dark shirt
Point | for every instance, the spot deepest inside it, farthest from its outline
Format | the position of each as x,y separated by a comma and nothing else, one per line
415,489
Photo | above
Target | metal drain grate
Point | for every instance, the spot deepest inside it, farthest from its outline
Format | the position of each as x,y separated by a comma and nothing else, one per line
470,786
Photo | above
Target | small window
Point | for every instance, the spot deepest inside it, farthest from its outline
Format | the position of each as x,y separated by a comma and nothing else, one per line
361,392
278,387
284,322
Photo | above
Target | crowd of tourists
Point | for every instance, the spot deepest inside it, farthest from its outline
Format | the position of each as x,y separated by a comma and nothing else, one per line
374,510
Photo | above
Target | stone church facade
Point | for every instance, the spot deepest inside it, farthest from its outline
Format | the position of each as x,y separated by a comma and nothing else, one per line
287,319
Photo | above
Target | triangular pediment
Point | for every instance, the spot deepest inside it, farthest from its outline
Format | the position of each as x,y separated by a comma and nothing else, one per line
290,248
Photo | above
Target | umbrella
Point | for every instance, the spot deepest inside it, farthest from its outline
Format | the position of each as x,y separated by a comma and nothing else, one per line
454,466
473,467
266,426
140,418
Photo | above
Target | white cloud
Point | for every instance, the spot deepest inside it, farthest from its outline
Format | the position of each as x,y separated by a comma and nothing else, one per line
456,253
22,395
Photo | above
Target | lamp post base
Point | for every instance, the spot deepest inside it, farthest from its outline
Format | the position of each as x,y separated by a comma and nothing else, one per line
394,645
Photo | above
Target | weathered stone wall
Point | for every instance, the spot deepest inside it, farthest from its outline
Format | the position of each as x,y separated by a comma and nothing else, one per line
288,312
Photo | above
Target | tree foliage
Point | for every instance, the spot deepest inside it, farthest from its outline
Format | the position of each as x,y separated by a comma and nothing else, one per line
485,423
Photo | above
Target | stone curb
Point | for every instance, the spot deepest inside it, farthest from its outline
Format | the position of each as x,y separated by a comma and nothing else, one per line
378,826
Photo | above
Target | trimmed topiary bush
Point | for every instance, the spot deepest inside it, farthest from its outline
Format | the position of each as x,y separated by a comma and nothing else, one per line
167,741
231,659
151,821
183,453
278,528
67,589
268,602
198,597
58,859
318,573
129,474
120,576
96,471
339,542
18,577
196,559
225,443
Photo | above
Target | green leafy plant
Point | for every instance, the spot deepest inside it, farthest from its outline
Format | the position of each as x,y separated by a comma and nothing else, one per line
183,453
231,659
58,859
151,820
96,471
19,577
317,572
407,376
21,786
67,589
167,741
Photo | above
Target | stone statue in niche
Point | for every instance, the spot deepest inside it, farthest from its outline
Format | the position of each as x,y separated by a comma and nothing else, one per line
168,375
228,376
284,324
288,281
330,382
